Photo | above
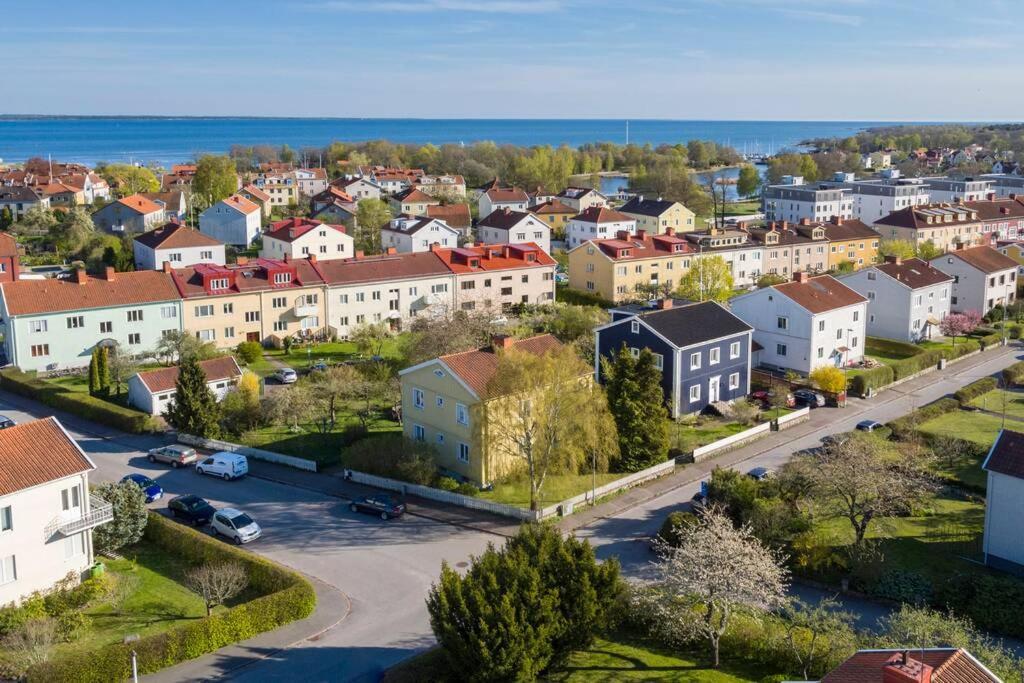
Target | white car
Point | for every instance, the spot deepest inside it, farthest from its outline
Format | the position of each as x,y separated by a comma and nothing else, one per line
236,525
286,376
224,465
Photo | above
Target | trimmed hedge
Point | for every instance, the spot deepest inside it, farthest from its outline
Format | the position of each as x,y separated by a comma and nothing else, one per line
1014,374
903,427
78,403
975,389
892,347
991,602
873,379
988,340
912,365
963,347
286,597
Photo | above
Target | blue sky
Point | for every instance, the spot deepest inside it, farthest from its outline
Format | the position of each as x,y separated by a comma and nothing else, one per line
923,60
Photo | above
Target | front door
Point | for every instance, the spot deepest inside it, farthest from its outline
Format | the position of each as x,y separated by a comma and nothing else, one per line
252,336
713,389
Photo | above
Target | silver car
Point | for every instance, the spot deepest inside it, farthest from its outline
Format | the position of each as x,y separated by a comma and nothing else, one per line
286,376
174,455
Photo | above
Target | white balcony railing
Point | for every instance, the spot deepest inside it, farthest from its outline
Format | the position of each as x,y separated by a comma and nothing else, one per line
100,512
305,310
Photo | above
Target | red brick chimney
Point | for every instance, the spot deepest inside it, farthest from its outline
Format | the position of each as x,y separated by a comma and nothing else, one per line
435,246
902,669
622,235
167,266
359,253
991,196
801,276
108,274
502,341
894,259
670,231
79,276
641,234
311,258
391,251
242,260
805,221
784,225
837,220
665,304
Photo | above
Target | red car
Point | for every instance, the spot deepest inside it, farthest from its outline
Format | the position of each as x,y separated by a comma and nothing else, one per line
764,397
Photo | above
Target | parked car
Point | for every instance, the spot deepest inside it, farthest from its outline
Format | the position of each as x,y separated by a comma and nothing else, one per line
286,376
6,422
760,473
765,398
224,465
811,399
175,455
150,488
319,366
378,504
236,525
838,439
701,496
869,425
190,508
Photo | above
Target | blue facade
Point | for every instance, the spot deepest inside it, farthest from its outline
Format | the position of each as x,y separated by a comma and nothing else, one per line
611,337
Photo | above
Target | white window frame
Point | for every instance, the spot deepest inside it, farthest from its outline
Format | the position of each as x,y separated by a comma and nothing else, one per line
463,453
734,381
462,414
734,350
694,393
714,355
419,398
419,433
8,569
695,361
6,518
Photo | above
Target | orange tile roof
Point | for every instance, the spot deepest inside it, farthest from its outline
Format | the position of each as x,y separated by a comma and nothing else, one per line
820,294
164,379
28,297
382,268
414,195
137,202
477,367
239,202
494,257
601,214
500,194
985,259
34,453
251,277
175,236
257,192
455,215
948,665
552,206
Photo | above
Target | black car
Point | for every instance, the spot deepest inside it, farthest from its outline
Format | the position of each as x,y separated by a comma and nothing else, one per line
191,509
383,506
809,398
835,440
869,425
759,473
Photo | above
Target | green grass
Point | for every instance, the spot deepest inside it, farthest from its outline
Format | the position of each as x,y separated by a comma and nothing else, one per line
157,600
626,658
743,208
688,437
556,488
977,427
80,384
300,357
309,443
998,398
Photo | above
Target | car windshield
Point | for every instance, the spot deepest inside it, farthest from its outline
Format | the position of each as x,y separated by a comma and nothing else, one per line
241,521
196,504
382,500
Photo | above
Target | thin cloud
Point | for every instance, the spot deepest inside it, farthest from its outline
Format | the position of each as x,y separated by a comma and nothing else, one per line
497,7
825,17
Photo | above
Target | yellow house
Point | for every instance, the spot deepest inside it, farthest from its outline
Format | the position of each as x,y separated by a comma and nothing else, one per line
658,215
619,269
445,402
413,202
850,240
555,215
1014,250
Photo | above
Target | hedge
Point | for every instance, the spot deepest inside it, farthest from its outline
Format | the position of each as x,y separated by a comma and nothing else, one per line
912,365
285,597
892,347
963,348
1014,374
78,403
975,389
873,379
903,427
567,295
991,602
988,340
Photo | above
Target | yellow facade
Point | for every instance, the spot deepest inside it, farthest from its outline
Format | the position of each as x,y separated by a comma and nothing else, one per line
593,271
861,252
1014,251
677,217
229,319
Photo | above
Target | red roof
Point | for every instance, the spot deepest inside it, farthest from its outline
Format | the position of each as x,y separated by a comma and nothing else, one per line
252,276
34,453
494,257
256,192
477,367
1007,454
948,665
514,194
637,247
292,229
601,214
820,294
413,195
455,215
27,297
382,268
164,379
553,206
242,204
985,259
175,236
137,202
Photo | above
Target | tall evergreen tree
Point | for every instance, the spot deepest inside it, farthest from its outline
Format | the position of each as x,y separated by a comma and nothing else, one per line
194,409
94,377
637,403
102,370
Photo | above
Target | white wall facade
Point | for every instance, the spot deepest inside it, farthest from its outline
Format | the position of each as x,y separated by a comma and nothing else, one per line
323,242
1004,511
579,231
435,232
530,229
140,397
896,311
396,302
486,206
147,258
974,290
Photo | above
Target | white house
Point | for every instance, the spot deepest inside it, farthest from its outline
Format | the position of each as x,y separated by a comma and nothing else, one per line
502,198
597,223
46,511
1004,502
311,181
405,234
907,299
982,278
958,189
234,220
177,244
506,226
793,200
582,198
808,322
300,237
153,390
359,188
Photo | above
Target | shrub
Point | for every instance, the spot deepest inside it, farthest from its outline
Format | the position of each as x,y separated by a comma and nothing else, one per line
914,364
78,403
891,347
1014,374
447,484
872,379
1015,332
71,624
130,517
961,349
991,602
249,351
467,489
903,427
673,525
575,296
285,596
993,339
975,389
393,456
904,585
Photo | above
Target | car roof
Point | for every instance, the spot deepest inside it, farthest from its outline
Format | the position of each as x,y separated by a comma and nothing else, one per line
759,470
230,512
178,447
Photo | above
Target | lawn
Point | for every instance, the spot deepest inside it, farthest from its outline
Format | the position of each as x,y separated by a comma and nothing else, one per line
309,443
998,399
688,437
977,427
301,356
743,208
156,600
556,488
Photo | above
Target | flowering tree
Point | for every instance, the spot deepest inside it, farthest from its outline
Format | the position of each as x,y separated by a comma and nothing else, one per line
958,324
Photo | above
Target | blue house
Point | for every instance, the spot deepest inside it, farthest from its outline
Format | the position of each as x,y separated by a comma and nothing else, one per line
702,349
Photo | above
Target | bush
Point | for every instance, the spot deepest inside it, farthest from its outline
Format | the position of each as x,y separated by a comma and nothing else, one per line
447,484
393,456
673,525
872,379
579,298
285,596
891,347
1015,332
904,585
962,348
991,602
130,517
993,339
80,404
1014,374
975,389
249,351
903,427
467,489
906,367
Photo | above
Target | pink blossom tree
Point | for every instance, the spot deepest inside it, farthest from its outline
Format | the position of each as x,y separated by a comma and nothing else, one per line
959,324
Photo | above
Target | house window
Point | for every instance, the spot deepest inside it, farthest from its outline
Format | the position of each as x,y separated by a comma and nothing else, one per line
821,326
694,393
360,297
135,315
463,452
713,356
734,350
780,349
418,400
440,399
40,350
440,438
204,311
821,352
853,343
461,414
73,546
419,433
734,381
37,326
280,326
252,316
6,519
279,302
659,361
695,361
856,316
8,573
634,351
782,322
76,321
839,333
69,499
168,312
634,327
206,255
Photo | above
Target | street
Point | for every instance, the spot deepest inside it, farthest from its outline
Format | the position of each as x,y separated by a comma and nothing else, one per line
385,568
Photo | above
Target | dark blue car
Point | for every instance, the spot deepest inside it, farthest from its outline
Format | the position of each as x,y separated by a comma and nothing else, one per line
149,487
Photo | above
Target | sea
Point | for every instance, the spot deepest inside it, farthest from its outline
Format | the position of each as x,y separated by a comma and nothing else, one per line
166,140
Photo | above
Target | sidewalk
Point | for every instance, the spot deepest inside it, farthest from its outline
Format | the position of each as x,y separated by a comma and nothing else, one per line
332,607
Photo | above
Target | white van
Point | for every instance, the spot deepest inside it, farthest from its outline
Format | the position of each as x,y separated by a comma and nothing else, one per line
223,464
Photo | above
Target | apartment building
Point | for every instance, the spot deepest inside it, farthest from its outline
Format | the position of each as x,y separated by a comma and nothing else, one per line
944,225
234,220
506,226
502,198
958,189
658,215
743,256
53,324
281,186
297,238
983,278
794,200
850,241
1005,185
256,300
555,214
788,249
446,185
597,223
47,513
310,181
907,299
876,198
629,267
177,244
493,278
407,234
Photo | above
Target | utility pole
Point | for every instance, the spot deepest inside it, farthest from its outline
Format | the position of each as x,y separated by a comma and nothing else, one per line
627,132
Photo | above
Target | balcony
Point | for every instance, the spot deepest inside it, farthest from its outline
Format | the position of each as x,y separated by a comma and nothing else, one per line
305,310
100,512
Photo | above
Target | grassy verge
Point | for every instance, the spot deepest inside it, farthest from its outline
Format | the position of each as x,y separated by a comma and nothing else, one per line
977,427
556,488
307,442
996,401
743,208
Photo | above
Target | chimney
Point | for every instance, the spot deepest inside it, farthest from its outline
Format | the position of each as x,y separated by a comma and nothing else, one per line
837,220
79,276
960,246
802,276
242,260
1012,195
359,253
665,304
287,258
435,246
900,668
311,258
622,235
784,225
167,266
641,234
502,341
391,251
991,196
670,231
894,259
805,221
108,274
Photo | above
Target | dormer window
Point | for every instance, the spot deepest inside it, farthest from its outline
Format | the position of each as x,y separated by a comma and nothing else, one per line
530,258
219,283
282,278
474,263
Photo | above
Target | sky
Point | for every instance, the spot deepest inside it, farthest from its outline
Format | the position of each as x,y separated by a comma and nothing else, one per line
894,60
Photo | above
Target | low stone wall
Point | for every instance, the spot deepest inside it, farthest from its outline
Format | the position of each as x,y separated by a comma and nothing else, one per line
249,452
702,453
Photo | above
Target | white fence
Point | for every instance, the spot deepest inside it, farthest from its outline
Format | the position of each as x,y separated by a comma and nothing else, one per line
249,452
630,480
756,432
